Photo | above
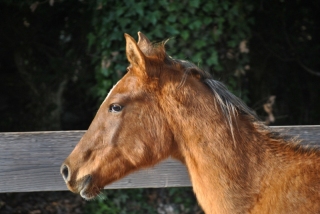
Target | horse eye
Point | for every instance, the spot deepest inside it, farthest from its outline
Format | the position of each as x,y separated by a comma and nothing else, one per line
115,108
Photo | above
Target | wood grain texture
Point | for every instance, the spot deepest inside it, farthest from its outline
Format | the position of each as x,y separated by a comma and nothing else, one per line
30,161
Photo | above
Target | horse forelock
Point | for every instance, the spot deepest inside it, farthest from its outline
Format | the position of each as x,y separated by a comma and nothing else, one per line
155,50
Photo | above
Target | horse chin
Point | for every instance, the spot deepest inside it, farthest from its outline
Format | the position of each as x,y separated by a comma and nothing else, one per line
88,195
87,192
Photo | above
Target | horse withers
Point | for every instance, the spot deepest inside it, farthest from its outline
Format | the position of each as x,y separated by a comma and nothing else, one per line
166,107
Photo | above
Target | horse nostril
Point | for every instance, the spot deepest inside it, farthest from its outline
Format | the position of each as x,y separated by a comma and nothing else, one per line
65,172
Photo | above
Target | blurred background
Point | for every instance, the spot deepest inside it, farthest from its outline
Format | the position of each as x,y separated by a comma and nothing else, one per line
59,58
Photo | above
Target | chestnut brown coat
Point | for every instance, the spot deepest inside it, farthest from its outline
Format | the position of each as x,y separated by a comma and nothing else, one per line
167,107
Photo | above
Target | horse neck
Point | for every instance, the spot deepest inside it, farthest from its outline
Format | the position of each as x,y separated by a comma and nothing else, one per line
220,164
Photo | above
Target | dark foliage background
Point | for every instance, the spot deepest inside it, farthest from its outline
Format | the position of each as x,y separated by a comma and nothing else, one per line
59,58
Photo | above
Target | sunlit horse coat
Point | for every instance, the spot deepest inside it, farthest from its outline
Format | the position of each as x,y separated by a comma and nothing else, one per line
165,107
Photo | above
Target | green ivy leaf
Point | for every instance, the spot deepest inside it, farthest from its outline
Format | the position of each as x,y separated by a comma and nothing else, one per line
213,58
185,35
205,29
194,3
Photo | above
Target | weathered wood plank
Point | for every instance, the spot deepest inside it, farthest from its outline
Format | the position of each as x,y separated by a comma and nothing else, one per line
30,161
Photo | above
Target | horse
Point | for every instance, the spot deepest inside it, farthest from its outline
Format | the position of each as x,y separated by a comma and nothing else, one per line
165,107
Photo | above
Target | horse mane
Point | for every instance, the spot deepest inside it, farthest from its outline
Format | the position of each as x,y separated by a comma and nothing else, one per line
229,104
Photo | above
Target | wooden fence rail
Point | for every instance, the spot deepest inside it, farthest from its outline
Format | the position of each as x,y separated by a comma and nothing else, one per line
30,161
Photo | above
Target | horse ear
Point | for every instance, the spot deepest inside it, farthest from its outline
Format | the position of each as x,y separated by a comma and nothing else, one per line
134,54
143,43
